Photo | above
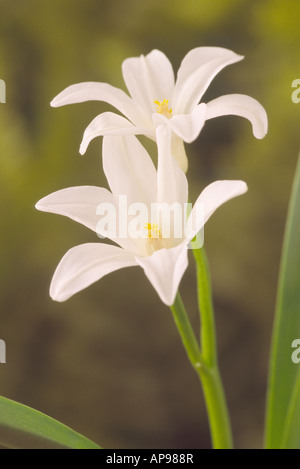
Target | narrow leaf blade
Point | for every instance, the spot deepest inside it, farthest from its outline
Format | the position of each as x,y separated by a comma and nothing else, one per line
291,431
283,372
24,428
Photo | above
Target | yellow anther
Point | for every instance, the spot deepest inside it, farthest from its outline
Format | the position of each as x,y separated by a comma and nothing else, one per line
153,230
163,108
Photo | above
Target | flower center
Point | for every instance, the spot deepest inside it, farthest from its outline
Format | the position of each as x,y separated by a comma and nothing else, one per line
163,108
154,239
153,232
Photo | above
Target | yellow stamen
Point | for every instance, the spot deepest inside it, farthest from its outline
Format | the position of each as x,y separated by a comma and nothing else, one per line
163,108
153,230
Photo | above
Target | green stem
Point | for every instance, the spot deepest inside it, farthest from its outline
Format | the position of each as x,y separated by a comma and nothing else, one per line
206,310
216,406
211,380
205,362
186,332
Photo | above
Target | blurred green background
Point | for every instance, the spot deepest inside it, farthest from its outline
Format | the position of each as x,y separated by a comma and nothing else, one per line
109,362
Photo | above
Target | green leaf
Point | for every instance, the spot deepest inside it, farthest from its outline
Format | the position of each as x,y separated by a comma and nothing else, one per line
291,431
283,401
24,428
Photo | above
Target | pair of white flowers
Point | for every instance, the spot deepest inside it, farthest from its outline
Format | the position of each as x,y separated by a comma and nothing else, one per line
170,113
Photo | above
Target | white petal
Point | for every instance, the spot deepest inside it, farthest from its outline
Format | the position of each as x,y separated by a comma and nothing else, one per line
85,264
178,151
88,205
149,78
164,269
211,198
129,169
78,203
240,105
172,186
110,123
185,126
93,91
197,70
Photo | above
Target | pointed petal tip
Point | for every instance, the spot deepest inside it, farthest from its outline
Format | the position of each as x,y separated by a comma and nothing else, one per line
82,149
170,301
164,269
261,133
243,106
57,297
243,187
39,205
260,124
58,294
55,101
84,265
234,187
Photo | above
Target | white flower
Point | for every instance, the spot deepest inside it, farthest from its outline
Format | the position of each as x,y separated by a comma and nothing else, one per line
156,98
130,170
